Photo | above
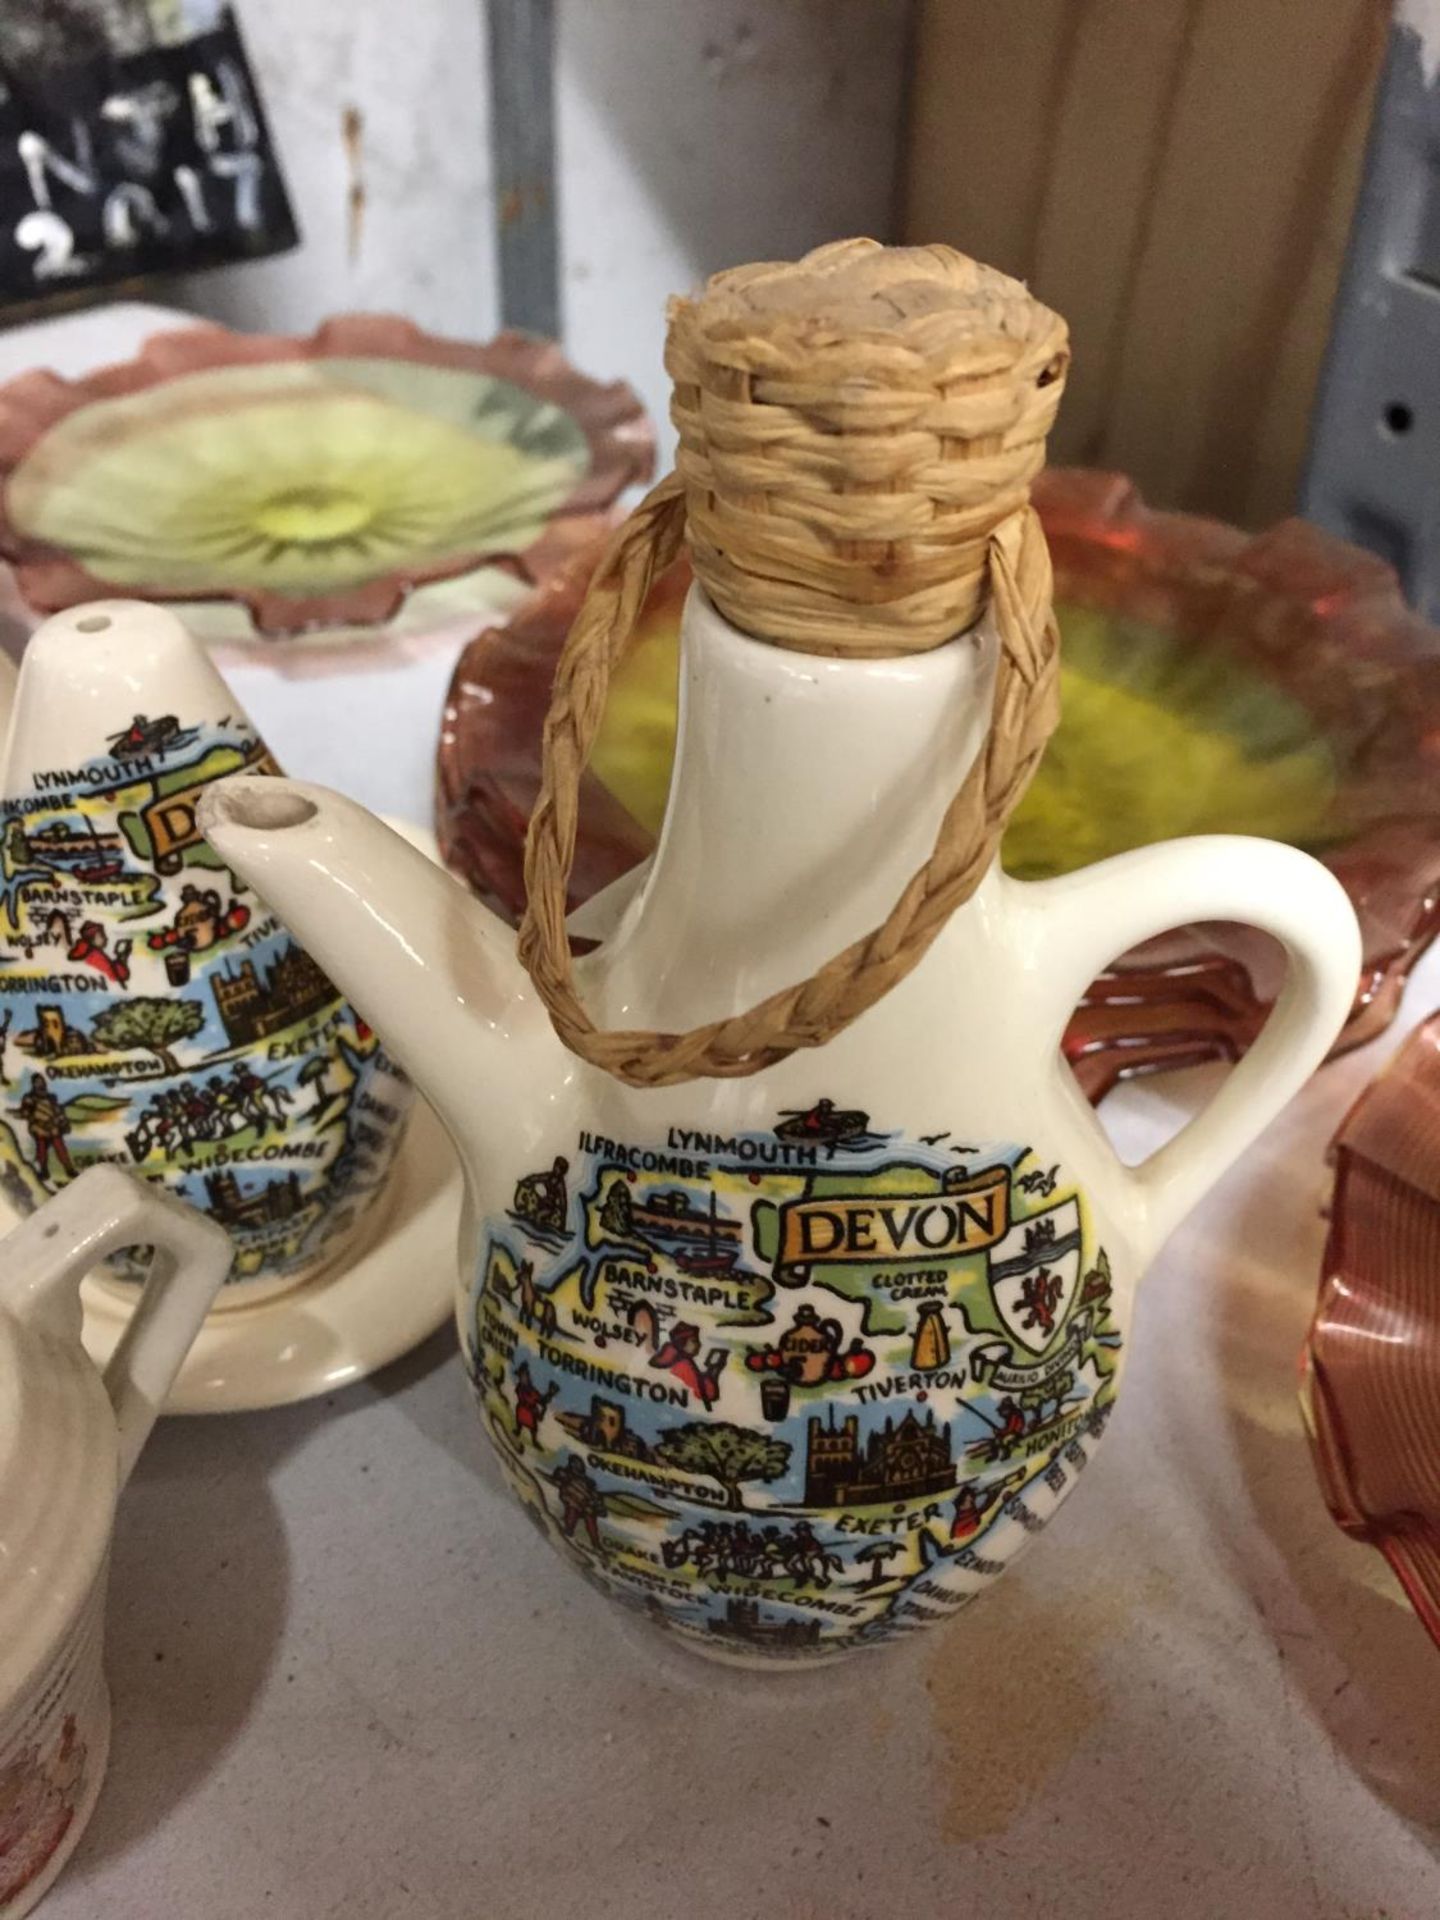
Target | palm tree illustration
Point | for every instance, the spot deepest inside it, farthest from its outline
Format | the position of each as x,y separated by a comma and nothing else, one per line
312,1074
877,1553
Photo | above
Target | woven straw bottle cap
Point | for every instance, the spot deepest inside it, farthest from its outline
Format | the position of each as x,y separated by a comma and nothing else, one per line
858,434
854,428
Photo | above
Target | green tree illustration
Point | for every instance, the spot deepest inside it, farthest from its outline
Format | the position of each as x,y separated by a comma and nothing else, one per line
149,1026
724,1453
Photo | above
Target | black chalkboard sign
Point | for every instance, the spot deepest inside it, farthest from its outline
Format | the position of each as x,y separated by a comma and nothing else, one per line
126,164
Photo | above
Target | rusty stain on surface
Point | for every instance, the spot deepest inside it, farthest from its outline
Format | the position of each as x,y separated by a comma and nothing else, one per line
352,133
1026,1664
520,199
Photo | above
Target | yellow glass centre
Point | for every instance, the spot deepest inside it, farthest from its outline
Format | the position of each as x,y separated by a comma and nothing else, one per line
313,514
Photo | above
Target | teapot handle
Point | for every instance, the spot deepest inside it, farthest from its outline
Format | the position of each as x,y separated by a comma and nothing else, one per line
1081,921
44,1259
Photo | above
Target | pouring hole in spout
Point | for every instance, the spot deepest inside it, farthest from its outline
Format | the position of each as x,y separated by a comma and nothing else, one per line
262,805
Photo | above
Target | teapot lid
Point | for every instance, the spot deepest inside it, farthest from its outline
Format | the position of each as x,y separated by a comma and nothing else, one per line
59,1476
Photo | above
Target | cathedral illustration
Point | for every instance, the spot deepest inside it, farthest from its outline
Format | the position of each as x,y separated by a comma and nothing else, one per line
900,1461
272,1201
253,1007
743,1620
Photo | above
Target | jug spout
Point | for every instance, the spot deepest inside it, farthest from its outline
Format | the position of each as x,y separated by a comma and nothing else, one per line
431,970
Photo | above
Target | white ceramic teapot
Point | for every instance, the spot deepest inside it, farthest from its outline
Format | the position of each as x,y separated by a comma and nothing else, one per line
68,1440
795,1360
151,1014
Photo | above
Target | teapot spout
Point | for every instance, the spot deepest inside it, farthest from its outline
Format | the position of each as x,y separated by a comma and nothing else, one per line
430,969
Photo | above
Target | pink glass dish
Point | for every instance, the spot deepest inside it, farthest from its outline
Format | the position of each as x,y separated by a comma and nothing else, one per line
1296,643
311,482
1370,1371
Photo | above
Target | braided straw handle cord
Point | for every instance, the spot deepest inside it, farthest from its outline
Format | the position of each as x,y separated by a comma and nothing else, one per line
1024,713
858,432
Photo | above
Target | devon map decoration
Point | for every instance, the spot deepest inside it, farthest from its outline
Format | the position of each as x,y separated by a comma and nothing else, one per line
797,1392
152,1013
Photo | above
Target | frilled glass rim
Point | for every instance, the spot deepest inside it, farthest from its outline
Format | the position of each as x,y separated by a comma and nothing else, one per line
616,432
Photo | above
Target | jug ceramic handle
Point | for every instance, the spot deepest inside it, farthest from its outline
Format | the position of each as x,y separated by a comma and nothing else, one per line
43,1261
1082,921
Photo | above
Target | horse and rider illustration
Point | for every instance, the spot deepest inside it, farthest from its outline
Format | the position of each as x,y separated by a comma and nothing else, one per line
735,1548
194,1112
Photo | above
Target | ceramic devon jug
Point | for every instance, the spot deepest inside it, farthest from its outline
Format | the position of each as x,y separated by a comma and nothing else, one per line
68,1440
152,1013
792,1332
